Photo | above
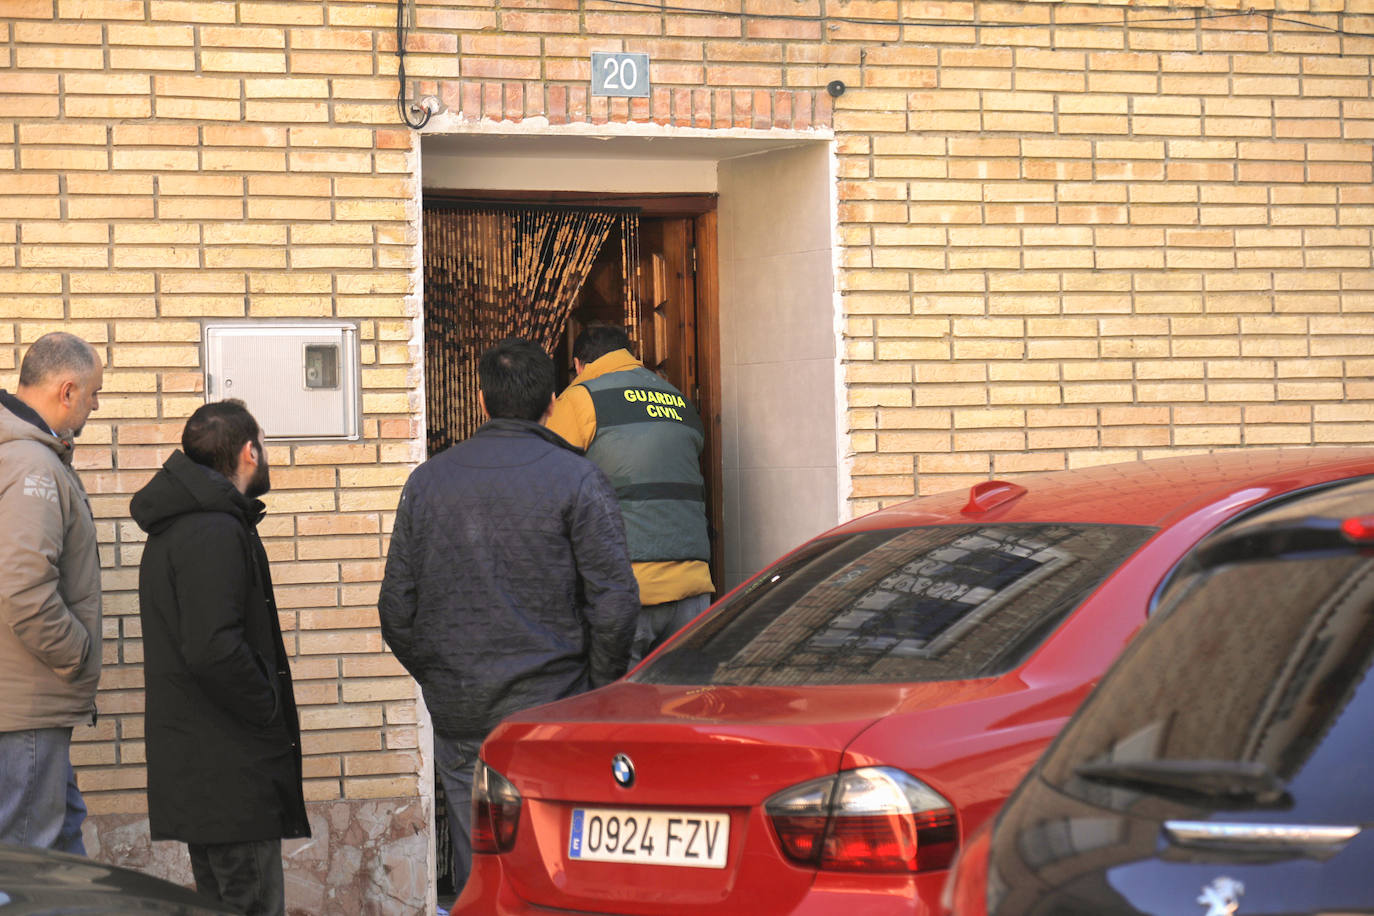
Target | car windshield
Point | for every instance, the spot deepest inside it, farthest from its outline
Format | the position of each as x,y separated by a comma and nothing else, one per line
934,603
1249,690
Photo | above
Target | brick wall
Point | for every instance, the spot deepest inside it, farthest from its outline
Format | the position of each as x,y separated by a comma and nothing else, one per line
1074,244
1071,234
164,162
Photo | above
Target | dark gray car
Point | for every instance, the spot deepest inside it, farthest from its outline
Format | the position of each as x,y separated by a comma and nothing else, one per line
37,882
1225,766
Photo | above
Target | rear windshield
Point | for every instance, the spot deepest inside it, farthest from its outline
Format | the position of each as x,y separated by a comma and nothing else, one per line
936,603
1259,662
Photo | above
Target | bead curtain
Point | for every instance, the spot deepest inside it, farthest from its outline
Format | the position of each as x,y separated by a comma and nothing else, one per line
493,272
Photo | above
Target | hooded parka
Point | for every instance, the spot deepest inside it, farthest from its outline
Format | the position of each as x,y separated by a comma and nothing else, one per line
223,738
49,579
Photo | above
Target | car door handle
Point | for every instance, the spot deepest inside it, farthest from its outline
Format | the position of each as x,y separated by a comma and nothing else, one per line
1319,840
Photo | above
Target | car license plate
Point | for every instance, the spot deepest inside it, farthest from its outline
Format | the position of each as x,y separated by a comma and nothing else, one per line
686,838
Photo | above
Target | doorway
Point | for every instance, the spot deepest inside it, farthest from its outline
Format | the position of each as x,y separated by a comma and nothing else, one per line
774,242
544,266
653,270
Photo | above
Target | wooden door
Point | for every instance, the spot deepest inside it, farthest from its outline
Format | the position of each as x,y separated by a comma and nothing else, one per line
679,336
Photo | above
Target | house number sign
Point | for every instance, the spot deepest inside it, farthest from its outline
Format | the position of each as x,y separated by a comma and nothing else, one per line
623,75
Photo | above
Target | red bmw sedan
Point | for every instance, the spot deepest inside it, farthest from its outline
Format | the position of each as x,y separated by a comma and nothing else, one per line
823,738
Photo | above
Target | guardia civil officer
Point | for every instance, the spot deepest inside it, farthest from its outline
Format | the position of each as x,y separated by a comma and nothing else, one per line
647,437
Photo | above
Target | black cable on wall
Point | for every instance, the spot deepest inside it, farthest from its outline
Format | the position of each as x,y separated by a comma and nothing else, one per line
405,107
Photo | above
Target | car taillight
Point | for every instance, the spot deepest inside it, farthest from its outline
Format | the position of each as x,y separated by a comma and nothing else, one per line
870,819
495,810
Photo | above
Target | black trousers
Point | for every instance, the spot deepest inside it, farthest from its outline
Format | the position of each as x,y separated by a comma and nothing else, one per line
245,876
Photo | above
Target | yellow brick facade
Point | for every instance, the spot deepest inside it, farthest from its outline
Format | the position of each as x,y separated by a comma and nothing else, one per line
164,163
1068,234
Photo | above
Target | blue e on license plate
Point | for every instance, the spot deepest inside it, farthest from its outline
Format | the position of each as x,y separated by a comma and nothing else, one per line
691,838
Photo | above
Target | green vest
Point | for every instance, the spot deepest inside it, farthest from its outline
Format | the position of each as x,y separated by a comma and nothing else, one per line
648,442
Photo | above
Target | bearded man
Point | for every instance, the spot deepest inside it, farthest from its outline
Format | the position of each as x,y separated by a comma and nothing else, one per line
223,738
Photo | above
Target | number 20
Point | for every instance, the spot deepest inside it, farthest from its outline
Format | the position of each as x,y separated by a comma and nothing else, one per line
621,73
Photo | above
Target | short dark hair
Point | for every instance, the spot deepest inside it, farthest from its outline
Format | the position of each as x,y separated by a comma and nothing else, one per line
517,380
216,432
597,339
55,352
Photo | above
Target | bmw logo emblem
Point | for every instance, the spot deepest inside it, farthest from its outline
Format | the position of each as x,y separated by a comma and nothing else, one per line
623,770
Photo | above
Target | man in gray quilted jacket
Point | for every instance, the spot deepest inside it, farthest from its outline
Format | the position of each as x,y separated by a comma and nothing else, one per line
508,583
49,593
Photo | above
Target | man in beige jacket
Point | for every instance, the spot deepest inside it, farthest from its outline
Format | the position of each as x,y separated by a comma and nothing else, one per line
49,593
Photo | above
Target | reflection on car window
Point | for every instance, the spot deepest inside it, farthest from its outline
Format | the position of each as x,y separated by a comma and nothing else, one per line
1253,663
906,604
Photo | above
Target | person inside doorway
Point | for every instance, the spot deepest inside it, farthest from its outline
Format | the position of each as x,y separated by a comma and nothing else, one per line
647,438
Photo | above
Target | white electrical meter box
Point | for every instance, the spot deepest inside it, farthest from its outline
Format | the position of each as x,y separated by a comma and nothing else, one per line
299,380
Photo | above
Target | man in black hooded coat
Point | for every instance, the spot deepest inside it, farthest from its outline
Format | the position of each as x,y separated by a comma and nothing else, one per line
223,738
